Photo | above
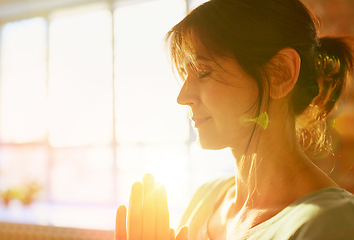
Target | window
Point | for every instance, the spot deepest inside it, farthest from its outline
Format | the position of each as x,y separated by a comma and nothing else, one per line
23,103
88,106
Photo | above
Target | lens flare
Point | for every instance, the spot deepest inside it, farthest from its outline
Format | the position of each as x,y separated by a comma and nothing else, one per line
262,120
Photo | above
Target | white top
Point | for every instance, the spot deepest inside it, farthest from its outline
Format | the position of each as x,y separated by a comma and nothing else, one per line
324,214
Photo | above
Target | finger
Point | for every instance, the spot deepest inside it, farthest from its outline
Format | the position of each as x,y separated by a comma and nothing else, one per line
182,233
162,215
135,219
149,208
120,232
172,234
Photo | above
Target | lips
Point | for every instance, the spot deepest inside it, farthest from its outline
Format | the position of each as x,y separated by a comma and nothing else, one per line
199,121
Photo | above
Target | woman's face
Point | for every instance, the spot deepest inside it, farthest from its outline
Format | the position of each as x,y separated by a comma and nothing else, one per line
217,96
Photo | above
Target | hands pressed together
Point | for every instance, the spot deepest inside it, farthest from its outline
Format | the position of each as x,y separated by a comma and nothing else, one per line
148,216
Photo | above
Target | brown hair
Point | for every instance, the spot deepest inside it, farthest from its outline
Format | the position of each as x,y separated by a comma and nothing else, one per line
253,32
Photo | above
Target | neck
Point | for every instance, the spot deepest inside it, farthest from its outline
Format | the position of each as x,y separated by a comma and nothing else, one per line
278,172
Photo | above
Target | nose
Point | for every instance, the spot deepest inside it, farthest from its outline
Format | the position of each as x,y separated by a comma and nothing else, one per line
188,94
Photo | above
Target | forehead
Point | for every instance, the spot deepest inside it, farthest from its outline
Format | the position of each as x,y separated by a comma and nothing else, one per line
188,44
189,47
195,49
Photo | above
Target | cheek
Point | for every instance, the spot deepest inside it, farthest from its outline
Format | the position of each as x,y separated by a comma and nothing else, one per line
246,98
228,103
212,97
225,108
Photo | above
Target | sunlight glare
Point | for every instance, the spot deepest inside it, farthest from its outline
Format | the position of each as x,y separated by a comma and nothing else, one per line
80,81
146,90
23,81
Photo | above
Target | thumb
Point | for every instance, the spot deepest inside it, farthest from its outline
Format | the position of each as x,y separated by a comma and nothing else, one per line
182,233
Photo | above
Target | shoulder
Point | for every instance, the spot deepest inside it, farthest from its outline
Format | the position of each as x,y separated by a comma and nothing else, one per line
327,214
202,195
212,185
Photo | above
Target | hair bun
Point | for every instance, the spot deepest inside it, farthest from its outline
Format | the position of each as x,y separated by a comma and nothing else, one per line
326,65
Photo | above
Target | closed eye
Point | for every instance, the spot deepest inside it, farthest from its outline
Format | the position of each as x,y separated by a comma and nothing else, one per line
201,71
203,74
197,70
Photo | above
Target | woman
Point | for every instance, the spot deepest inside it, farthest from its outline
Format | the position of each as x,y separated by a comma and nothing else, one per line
257,79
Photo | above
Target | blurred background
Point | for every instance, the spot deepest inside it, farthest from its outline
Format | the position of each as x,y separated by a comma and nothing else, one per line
88,106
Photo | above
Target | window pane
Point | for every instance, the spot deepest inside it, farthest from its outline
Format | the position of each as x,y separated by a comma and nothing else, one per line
21,165
195,3
23,81
146,91
80,80
82,175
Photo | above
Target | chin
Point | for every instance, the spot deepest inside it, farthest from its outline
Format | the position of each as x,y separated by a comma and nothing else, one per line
209,143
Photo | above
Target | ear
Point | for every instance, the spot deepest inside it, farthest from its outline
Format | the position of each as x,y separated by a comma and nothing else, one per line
285,68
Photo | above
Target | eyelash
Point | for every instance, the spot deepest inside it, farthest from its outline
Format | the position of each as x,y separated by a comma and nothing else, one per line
203,74
199,72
